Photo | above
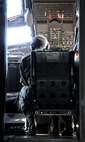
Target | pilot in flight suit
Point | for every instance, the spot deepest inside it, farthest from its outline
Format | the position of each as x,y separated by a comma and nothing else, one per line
25,97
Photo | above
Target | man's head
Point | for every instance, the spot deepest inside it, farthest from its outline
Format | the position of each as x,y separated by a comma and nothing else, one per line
39,42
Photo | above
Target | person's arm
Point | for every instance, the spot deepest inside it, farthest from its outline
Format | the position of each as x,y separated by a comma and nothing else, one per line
25,70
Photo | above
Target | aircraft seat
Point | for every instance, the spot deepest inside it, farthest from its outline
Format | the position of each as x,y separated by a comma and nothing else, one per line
52,74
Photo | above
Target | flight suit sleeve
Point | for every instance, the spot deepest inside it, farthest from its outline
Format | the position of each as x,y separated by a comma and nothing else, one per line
25,70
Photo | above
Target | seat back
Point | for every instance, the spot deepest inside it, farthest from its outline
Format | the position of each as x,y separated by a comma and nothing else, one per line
51,73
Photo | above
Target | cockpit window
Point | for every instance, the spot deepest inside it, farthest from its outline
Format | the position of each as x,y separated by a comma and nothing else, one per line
18,35
14,9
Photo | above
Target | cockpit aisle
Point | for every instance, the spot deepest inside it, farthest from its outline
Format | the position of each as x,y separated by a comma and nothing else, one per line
15,124
37,139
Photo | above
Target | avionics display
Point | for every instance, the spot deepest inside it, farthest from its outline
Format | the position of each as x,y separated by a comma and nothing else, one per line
60,38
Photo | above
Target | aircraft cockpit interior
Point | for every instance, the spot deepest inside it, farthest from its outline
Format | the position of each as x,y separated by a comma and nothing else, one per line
54,73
